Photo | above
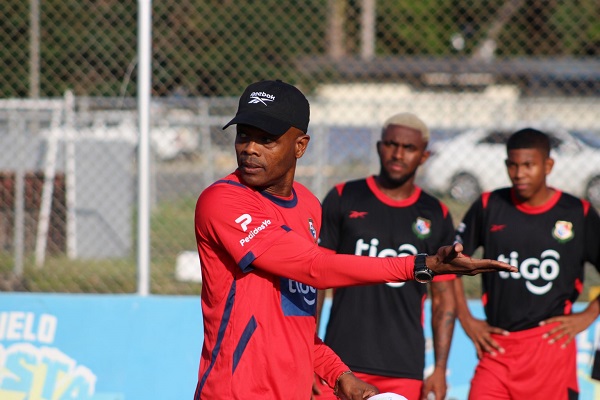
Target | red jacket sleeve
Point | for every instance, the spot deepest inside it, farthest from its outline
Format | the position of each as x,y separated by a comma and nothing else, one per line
294,257
328,365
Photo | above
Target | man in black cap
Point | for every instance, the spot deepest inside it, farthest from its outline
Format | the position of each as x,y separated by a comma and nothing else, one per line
257,232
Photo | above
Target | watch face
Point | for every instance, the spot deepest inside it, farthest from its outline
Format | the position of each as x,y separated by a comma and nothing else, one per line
423,276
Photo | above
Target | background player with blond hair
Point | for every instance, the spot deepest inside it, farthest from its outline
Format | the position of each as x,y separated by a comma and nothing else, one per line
387,215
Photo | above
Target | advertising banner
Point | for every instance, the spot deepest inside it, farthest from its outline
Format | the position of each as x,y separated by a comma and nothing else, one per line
98,347
126,347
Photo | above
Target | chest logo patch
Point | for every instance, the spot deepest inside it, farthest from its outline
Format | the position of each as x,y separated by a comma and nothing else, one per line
497,227
311,228
563,231
357,214
297,299
422,228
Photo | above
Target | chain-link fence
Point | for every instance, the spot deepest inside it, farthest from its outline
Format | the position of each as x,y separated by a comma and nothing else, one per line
473,70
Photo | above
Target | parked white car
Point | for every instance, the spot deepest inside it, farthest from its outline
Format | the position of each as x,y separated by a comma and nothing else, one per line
473,162
167,140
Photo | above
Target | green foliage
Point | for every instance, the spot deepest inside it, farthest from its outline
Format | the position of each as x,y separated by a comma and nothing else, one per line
422,27
207,47
14,42
215,48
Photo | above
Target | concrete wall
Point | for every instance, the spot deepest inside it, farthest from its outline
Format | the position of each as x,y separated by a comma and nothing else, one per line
371,104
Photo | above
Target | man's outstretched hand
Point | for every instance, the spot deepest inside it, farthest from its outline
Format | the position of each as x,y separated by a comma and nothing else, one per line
451,260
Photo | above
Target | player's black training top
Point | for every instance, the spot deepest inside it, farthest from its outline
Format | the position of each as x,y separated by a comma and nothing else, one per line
549,244
378,329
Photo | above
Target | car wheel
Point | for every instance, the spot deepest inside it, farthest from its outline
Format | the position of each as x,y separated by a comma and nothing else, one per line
464,188
592,192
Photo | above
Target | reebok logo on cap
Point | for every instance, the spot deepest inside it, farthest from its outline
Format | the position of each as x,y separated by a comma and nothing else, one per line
274,107
261,97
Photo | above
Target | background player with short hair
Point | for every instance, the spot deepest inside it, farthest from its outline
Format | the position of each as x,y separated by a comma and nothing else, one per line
525,347
256,233
387,215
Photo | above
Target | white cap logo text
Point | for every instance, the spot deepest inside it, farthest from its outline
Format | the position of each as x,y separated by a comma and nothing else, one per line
260,97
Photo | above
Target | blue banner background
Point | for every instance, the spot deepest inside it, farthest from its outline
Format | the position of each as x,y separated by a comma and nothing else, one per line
126,347
136,347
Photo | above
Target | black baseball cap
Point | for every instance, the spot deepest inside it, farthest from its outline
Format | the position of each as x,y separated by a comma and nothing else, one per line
273,106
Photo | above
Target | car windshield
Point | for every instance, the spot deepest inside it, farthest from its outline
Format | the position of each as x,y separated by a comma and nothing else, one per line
495,137
588,138
501,137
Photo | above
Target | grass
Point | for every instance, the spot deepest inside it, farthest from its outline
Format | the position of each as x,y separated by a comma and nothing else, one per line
172,231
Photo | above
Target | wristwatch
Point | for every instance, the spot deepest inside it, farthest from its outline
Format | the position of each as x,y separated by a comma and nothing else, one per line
422,273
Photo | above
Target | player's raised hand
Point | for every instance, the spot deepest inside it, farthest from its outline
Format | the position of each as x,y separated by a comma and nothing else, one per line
451,260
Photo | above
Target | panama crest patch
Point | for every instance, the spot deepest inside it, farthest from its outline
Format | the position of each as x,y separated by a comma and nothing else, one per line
563,231
311,228
422,227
